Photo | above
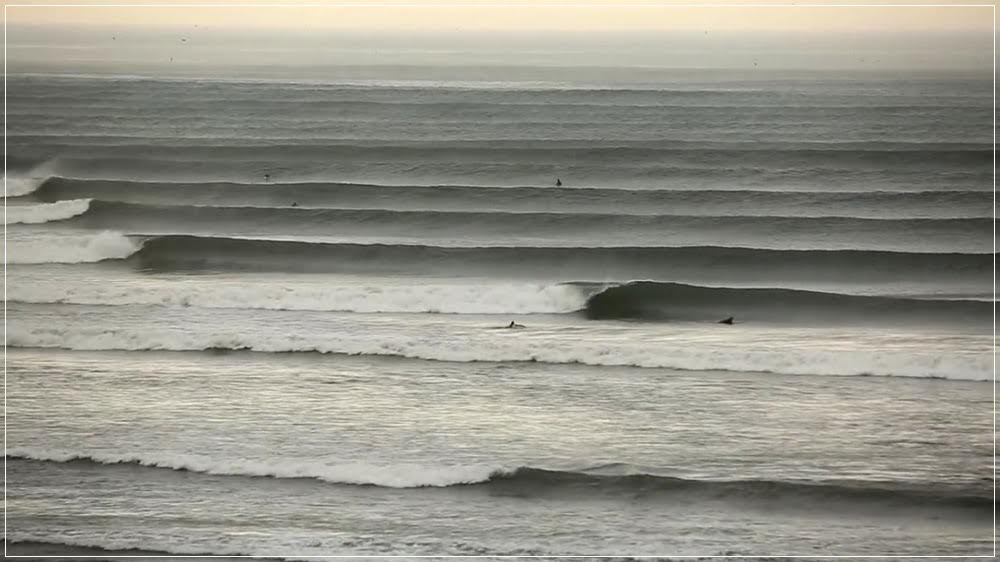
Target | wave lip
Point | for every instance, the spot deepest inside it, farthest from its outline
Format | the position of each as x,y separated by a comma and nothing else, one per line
46,212
523,480
17,186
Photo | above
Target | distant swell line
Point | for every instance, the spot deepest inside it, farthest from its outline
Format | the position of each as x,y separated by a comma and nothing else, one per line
184,252
540,481
673,199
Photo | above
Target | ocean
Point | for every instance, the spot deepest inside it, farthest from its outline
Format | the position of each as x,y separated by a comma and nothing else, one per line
271,316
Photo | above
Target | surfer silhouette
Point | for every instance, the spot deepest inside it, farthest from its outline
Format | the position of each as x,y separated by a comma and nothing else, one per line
514,325
558,182
727,321
295,203
267,177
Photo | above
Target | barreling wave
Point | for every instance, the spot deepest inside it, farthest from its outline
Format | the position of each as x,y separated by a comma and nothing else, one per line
35,214
532,481
76,248
706,263
671,199
647,300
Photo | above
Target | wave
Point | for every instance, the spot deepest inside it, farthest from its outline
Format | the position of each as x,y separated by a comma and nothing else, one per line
646,300
711,263
34,214
526,480
76,248
639,300
751,156
709,174
671,200
551,229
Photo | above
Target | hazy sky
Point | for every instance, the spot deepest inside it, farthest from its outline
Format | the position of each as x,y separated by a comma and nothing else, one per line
525,15
179,40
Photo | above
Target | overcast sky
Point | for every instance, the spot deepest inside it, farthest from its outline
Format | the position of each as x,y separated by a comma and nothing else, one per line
574,15
786,37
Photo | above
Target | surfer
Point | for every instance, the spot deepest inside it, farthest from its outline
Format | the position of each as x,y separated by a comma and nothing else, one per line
513,325
558,182
267,177
727,321
295,203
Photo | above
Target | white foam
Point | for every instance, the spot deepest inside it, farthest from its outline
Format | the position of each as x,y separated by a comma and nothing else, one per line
46,212
467,298
695,351
70,248
403,475
23,184
17,186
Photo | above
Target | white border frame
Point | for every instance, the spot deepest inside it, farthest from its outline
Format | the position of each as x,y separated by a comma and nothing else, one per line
793,4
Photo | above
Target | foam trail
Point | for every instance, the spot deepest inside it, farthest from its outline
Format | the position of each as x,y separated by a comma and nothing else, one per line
35,214
70,249
469,298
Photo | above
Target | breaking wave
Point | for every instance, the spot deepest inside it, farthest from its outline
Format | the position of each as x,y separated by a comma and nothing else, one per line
638,300
648,300
17,186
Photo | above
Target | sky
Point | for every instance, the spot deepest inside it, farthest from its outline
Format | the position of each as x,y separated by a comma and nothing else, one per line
520,15
578,15
185,39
